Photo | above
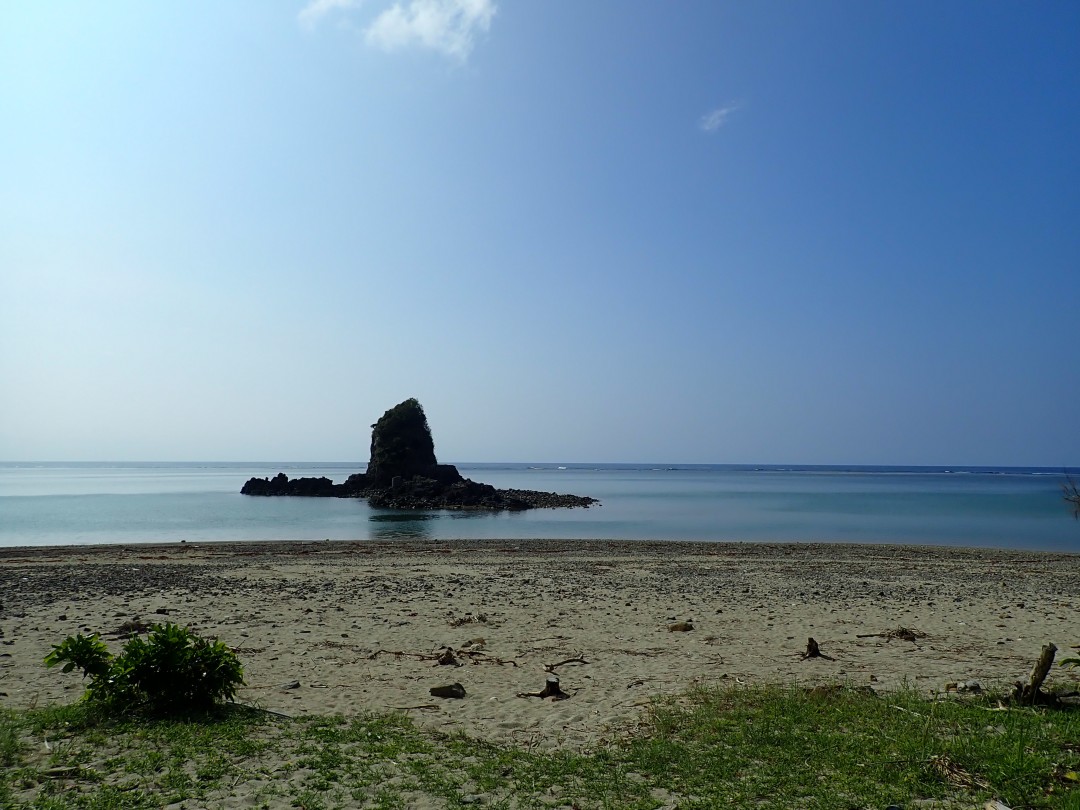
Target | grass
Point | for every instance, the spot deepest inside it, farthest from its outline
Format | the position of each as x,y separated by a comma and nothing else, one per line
737,748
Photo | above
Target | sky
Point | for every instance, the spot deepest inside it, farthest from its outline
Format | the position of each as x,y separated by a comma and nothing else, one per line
604,231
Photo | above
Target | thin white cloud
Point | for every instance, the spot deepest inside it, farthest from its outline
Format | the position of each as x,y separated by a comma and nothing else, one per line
714,119
315,10
447,26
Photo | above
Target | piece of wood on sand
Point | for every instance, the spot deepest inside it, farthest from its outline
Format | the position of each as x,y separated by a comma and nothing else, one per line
552,667
551,689
1031,692
814,651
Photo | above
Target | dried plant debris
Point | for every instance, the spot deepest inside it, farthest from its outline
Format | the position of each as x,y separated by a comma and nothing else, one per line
945,767
552,667
468,618
446,656
131,628
901,633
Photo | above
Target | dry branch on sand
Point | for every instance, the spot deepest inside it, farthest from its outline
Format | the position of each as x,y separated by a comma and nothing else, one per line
902,633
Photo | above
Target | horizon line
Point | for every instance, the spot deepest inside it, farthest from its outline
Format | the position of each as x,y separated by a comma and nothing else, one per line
1065,469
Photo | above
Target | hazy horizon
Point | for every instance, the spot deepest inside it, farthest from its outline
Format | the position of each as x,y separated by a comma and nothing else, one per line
1062,469
839,232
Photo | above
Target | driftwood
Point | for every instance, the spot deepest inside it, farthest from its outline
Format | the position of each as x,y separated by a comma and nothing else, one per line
553,667
401,654
551,689
1032,692
902,633
814,651
447,656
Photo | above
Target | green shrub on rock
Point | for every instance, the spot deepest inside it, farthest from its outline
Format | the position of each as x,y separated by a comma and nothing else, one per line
171,671
401,445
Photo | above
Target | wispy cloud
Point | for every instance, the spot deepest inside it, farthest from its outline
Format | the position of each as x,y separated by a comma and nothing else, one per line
447,26
714,119
315,10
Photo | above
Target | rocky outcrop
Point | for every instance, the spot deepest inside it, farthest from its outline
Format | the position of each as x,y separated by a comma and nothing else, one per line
425,493
281,484
403,473
402,448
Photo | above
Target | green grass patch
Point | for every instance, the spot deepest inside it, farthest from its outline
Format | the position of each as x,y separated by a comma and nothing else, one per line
737,748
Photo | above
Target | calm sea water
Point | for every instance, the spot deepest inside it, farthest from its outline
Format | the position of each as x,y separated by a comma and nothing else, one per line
82,503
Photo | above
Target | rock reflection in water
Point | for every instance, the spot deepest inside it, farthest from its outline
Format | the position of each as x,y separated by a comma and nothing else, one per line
401,525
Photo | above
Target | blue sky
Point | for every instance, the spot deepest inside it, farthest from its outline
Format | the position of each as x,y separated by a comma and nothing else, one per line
829,232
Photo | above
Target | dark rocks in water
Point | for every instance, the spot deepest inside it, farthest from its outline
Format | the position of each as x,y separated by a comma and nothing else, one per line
355,486
417,493
430,493
403,473
426,493
281,484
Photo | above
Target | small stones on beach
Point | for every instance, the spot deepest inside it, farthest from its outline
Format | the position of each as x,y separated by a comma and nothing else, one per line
468,618
454,690
971,687
131,627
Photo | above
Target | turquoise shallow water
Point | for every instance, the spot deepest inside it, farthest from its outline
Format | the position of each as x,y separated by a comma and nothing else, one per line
63,504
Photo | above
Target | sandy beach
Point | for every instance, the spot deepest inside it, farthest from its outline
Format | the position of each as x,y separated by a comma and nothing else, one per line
357,627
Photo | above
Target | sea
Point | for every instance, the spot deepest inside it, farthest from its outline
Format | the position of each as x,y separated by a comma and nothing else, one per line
55,504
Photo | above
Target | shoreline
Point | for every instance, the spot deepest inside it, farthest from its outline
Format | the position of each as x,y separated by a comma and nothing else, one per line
539,543
359,624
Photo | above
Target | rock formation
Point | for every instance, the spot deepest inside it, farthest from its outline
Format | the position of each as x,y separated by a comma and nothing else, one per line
403,473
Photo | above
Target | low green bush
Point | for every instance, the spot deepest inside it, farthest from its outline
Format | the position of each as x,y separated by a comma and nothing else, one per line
172,671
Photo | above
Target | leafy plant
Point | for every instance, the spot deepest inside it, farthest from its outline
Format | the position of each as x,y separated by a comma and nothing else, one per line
87,653
172,671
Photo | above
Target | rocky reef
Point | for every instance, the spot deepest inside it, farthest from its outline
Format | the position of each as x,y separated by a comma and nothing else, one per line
403,473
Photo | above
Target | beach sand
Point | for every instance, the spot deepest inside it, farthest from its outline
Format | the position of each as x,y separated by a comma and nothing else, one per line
359,625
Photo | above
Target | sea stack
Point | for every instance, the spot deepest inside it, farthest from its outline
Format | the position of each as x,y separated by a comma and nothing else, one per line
403,473
402,449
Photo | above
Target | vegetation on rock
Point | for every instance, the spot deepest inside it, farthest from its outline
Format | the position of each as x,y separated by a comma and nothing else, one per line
401,445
